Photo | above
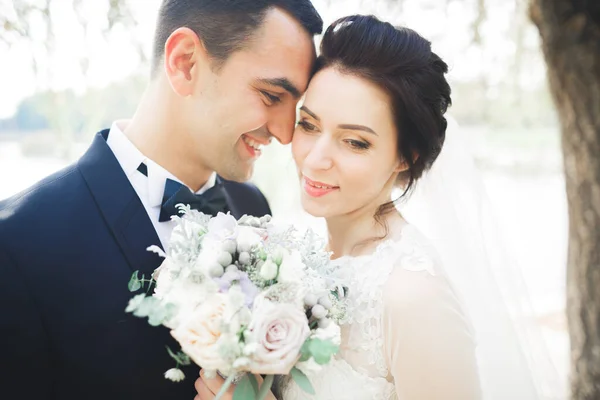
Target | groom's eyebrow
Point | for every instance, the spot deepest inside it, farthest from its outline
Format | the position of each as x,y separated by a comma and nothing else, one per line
283,83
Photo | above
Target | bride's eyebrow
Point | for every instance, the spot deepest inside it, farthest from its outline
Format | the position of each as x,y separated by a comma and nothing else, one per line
312,114
357,128
353,127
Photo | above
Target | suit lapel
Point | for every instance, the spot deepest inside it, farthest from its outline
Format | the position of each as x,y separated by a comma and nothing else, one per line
232,205
119,205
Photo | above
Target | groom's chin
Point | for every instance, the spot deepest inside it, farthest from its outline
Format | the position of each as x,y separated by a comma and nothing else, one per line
238,174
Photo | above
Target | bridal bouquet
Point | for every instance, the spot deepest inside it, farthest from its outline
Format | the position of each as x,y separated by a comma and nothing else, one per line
244,297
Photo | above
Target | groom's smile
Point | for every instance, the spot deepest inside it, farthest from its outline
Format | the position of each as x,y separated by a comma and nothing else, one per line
253,145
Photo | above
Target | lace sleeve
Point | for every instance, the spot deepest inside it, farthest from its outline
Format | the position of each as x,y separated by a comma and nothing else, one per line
427,341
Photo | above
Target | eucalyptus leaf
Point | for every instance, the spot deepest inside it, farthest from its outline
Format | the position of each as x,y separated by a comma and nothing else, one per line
157,317
244,390
147,307
134,282
254,383
135,302
302,380
322,350
180,358
265,387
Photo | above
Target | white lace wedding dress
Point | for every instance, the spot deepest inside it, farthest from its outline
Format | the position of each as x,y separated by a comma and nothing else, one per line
406,336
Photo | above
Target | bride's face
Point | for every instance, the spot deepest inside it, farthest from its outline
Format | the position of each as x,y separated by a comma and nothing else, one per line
344,145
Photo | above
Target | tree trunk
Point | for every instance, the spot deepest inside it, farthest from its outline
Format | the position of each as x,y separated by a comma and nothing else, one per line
570,32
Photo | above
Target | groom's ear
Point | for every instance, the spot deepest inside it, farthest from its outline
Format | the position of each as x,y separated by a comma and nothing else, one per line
185,56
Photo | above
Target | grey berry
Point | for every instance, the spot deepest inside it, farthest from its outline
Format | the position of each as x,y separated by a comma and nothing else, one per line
230,246
324,323
231,268
224,259
244,258
325,302
216,270
319,311
311,300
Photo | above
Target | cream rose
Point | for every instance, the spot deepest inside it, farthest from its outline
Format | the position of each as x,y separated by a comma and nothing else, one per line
200,333
279,330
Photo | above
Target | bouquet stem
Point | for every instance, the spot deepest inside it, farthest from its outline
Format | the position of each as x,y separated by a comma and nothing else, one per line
225,386
265,387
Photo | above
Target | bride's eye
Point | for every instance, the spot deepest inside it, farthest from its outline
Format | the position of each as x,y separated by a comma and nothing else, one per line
358,144
307,126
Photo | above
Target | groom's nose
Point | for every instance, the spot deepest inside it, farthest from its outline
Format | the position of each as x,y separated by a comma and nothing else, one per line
281,123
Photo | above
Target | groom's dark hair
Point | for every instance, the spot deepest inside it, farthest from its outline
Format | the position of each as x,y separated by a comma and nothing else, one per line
224,26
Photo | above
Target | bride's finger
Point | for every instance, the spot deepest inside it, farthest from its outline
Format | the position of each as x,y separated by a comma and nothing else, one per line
214,384
204,392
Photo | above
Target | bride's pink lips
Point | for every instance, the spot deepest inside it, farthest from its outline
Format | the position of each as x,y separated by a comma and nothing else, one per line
317,189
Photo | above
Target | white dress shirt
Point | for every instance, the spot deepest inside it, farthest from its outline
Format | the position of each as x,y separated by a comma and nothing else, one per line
149,188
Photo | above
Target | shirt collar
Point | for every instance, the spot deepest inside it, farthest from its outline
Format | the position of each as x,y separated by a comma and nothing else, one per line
130,158
128,155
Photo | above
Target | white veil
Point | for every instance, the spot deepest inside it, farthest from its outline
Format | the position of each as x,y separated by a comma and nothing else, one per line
450,206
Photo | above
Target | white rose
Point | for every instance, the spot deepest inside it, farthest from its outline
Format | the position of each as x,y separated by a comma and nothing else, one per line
200,333
222,227
279,330
292,269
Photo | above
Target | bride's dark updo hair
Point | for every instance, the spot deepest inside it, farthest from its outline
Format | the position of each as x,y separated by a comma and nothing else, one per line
401,63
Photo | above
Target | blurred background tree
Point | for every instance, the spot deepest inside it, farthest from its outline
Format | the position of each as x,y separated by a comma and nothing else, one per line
34,24
570,30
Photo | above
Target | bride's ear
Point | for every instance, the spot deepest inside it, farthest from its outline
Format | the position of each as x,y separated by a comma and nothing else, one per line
403,166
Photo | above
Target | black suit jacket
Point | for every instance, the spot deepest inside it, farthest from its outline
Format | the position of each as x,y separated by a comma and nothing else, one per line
68,246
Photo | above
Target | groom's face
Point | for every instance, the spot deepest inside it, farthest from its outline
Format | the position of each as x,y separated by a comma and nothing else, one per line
252,98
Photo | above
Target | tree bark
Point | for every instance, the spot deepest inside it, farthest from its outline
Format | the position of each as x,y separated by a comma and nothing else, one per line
570,33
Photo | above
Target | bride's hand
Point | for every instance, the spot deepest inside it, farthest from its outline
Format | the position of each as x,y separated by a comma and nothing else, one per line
208,388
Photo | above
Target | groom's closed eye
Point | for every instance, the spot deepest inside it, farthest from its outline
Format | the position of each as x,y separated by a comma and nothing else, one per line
282,83
272,99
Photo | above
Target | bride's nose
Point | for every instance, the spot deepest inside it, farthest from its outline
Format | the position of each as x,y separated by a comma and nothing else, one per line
320,156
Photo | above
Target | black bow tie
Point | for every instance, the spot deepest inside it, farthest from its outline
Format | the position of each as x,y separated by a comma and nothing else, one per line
210,202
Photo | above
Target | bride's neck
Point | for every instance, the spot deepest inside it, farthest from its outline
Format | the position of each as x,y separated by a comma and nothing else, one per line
359,234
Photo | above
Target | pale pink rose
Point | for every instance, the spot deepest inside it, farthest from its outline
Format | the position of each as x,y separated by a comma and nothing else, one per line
198,335
279,330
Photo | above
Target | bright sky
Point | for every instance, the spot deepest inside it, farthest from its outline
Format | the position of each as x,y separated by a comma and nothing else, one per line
114,59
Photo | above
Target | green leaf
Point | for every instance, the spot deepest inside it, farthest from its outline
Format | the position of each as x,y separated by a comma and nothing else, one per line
134,283
147,307
305,350
180,358
135,302
321,350
254,383
156,317
265,387
244,390
302,380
